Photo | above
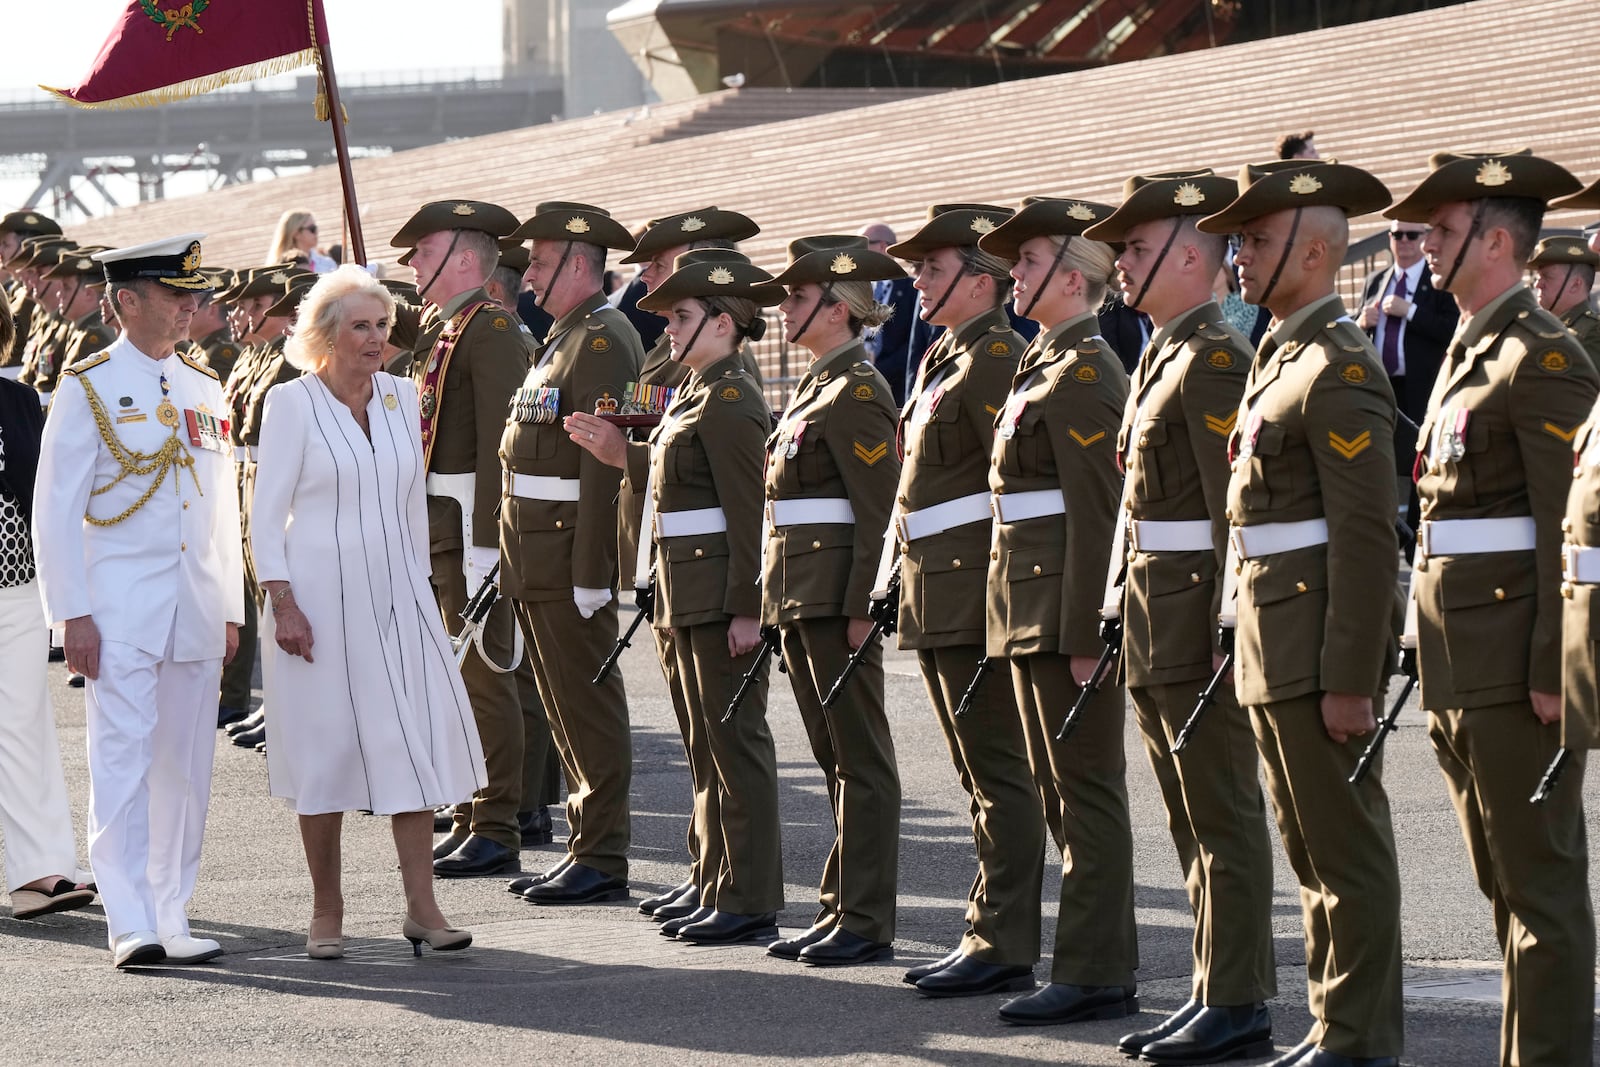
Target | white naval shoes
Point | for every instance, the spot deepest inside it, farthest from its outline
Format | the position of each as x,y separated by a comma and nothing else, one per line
181,948
137,949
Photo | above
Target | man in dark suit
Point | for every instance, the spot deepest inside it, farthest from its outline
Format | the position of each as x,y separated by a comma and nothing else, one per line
1410,322
890,345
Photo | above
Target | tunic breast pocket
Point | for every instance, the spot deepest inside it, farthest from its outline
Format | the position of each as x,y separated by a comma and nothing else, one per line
1026,452
1152,470
1269,483
1476,470
677,459
941,441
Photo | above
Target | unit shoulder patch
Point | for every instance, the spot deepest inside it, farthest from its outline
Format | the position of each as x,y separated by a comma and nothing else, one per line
599,343
864,391
1555,361
998,348
1087,373
730,394
500,322
1220,359
1354,373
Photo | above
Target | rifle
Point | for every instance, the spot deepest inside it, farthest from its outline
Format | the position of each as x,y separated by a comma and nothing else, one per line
1552,774
1111,634
885,614
985,665
1208,695
646,599
1408,667
473,615
771,641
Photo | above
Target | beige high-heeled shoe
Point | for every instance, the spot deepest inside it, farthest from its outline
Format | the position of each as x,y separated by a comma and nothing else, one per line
447,939
325,948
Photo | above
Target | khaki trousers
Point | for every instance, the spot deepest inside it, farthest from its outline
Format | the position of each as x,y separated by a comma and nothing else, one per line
852,745
701,770
496,708
1532,862
1218,821
588,722
1096,943
237,674
541,767
1340,842
736,809
990,753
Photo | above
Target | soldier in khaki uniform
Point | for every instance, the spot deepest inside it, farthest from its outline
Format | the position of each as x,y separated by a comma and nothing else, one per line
1493,476
470,358
15,228
1053,474
558,530
1174,445
658,249
831,472
49,328
84,331
705,511
1563,276
1312,503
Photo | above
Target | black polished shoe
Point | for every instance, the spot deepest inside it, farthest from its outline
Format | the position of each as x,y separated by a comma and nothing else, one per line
520,886
921,971
648,905
726,928
1215,1034
1131,1044
670,927
536,827
227,716
1323,1058
252,737
578,884
478,856
686,904
789,948
842,947
1295,1056
1062,1003
447,845
249,722
444,819
971,977
75,680
57,655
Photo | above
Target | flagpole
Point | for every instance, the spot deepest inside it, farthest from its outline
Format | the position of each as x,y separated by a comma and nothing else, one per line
357,252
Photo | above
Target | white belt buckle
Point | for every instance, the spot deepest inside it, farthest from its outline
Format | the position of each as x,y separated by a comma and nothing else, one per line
1236,539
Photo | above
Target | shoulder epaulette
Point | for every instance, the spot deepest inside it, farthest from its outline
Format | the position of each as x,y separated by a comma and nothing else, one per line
1347,335
91,364
1542,324
1210,331
201,367
1088,346
863,368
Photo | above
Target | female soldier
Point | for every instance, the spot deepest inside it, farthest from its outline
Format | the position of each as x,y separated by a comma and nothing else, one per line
704,511
1056,442
831,473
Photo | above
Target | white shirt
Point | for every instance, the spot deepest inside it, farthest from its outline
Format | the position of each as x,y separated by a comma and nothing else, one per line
1413,277
174,568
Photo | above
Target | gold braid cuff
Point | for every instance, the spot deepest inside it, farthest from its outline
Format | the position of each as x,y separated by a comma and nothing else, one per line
141,464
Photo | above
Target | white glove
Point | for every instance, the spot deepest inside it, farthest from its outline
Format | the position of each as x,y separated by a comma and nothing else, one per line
477,565
590,601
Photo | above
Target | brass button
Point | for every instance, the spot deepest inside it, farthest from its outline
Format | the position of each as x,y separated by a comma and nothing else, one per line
183,546
994,555
906,550
1128,505
185,505
1566,590
1038,569
1144,441
1228,515
1131,554
1194,578
956,563
816,544
1238,568
1300,587
1499,594
699,552
558,524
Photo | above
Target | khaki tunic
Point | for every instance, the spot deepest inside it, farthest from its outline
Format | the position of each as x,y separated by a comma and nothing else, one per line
839,427
87,337
1057,431
22,308
1511,396
1315,440
1183,404
40,356
221,351
549,547
1584,323
707,453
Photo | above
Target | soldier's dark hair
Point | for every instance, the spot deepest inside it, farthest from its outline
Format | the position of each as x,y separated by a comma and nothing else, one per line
1291,145
746,314
1522,218
506,279
594,256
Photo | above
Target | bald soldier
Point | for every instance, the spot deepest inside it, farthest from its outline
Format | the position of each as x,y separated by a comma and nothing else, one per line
470,355
558,528
1563,276
1493,475
1183,405
1311,502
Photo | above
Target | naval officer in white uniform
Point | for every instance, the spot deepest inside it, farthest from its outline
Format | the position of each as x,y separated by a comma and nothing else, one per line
136,519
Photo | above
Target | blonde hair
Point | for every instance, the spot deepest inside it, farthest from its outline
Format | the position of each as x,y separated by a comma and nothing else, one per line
1092,259
322,313
864,310
290,224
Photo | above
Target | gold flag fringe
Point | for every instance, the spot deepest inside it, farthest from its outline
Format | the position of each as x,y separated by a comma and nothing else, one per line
195,86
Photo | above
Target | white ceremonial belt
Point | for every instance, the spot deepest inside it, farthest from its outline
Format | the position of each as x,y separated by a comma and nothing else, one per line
1034,504
1270,538
1464,537
540,487
1175,535
250,452
455,486
927,522
240,454
694,523
1580,564
827,510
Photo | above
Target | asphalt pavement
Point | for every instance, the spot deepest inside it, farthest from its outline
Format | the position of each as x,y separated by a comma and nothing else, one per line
597,985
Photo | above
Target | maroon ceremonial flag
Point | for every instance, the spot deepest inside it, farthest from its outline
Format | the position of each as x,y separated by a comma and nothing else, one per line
164,50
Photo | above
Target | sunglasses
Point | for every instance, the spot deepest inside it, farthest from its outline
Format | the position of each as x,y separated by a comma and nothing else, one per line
1407,235
310,228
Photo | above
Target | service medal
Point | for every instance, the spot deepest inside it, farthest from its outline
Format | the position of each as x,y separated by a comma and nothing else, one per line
166,414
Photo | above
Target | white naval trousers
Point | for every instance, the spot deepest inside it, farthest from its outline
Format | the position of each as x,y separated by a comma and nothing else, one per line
33,793
152,735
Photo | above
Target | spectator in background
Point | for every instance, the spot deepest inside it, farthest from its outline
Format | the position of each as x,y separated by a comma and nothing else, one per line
336,254
1410,322
890,344
1298,146
1127,331
296,239
1248,319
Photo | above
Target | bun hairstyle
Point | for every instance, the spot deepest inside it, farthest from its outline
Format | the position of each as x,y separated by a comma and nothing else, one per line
865,312
746,315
